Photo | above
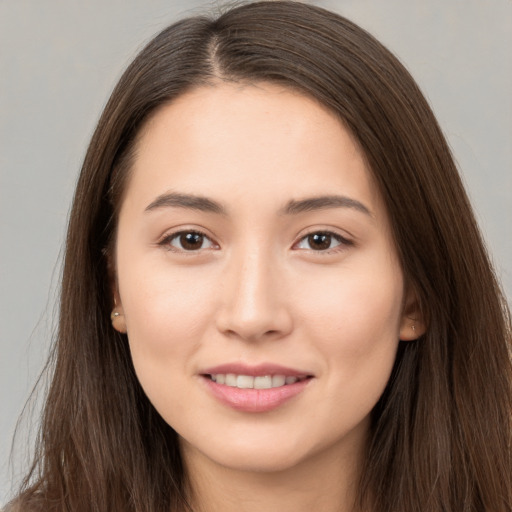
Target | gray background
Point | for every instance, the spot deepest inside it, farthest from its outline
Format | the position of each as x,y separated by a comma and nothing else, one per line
59,60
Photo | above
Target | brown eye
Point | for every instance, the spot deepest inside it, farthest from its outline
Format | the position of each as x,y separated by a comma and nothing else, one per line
191,241
319,241
322,241
188,241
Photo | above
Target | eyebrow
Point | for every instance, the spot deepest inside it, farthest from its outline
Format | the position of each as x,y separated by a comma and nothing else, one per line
310,204
293,207
188,201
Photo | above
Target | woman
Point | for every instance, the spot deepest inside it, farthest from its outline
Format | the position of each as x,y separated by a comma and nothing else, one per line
275,295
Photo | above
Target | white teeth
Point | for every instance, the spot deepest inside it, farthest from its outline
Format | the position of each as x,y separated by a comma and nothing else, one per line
278,381
230,380
263,382
250,382
244,382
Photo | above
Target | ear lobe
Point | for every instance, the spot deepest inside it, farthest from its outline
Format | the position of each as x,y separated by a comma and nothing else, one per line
118,320
412,324
117,315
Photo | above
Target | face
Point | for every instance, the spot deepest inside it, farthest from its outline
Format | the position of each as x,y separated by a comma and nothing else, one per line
257,278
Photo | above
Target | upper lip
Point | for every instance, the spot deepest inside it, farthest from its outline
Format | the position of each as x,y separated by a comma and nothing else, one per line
255,370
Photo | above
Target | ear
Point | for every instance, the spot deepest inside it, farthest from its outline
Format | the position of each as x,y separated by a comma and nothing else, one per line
412,324
117,315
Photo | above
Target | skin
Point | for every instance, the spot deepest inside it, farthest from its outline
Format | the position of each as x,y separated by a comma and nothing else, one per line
255,289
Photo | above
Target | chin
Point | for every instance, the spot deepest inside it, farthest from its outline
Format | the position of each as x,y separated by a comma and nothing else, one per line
247,454
260,461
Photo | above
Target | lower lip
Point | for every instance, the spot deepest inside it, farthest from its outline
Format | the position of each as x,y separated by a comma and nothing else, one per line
255,400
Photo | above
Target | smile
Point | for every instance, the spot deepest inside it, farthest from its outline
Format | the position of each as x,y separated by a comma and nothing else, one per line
255,389
251,382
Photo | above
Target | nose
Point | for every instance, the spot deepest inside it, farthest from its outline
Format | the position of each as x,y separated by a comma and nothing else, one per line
254,305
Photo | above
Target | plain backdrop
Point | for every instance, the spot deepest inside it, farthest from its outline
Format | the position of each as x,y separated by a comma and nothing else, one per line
59,60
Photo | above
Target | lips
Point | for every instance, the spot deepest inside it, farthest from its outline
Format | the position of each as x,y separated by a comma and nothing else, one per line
258,388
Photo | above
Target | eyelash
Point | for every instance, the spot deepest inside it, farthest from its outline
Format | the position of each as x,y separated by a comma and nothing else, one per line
166,241
342,241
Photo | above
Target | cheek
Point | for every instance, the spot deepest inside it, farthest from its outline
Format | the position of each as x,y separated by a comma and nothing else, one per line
355,320
161,299
355,331
166,315
165,321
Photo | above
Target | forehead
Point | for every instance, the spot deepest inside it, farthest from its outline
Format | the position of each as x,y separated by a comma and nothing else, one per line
255,140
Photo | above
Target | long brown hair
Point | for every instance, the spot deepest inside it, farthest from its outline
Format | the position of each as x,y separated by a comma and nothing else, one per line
441,433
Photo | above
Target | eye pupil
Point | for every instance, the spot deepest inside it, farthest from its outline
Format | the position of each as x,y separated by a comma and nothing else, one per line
191,241
319,241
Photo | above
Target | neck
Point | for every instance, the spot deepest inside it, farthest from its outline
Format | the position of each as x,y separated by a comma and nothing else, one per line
326,481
